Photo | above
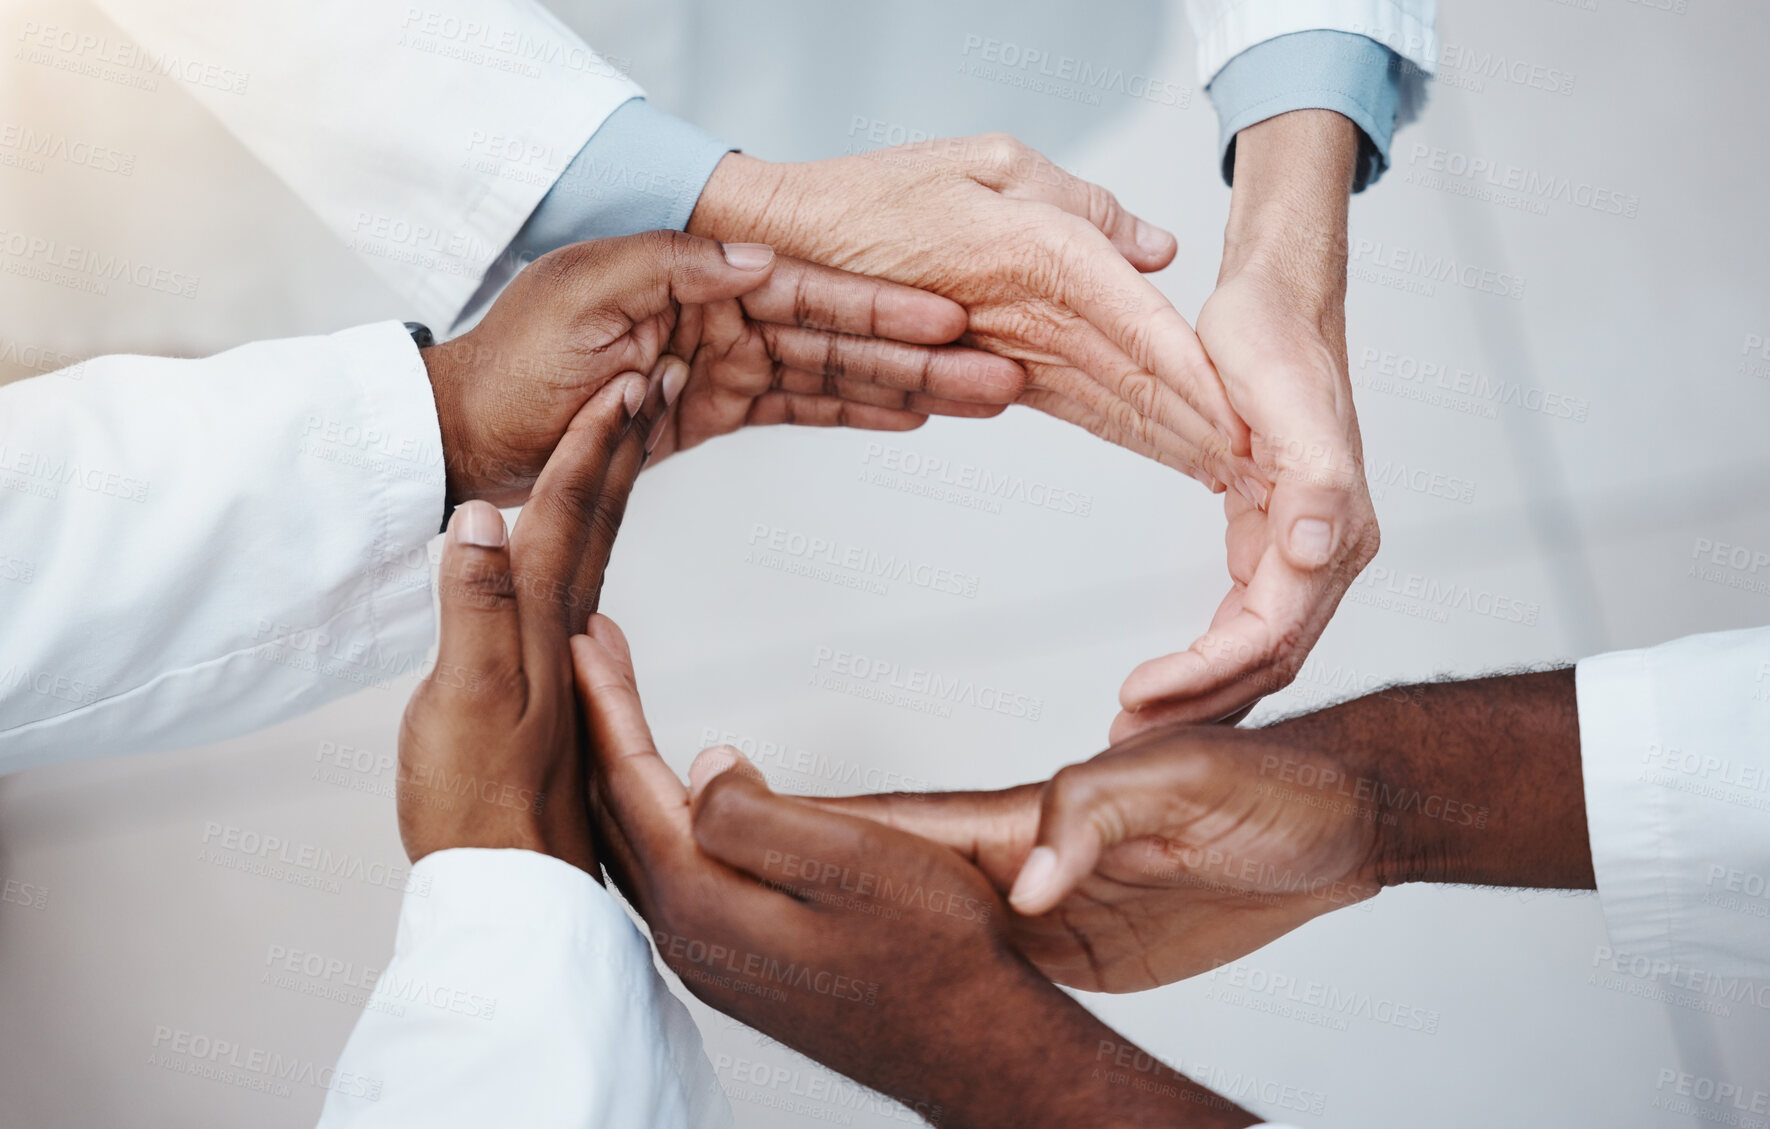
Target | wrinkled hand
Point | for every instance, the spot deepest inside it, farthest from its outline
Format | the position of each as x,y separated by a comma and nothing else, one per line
489,754
875,952
768,340
1275,328
1163,858
1045,264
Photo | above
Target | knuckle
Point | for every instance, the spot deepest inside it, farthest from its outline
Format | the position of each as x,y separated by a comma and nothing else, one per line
1071,790
721,807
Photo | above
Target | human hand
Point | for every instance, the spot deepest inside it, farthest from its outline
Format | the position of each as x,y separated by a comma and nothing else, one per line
875,952
1164,857
1275,328
768,340
1045,264
489,754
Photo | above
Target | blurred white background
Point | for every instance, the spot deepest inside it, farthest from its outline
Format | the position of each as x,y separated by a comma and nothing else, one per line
1600,428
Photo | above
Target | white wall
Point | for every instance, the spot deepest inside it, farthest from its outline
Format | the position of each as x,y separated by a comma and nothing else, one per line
1642,322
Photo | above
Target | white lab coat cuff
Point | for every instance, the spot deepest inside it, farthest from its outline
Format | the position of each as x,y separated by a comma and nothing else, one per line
1675,750
1627,820
521,994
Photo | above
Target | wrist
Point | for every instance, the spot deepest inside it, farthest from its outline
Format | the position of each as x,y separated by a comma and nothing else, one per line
1288,209
1475,782
733,204
447,390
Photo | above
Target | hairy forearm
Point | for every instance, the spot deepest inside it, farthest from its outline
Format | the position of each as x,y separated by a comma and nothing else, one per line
1471,782
1287,213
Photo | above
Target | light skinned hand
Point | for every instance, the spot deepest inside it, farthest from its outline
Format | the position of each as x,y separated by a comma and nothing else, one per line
1045,264
1275,330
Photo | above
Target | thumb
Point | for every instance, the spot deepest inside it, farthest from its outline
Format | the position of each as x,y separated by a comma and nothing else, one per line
480,634
1310,520
1079,817
642,275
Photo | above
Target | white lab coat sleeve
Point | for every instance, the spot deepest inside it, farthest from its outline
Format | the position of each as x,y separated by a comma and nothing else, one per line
424,135
1223,29
1675,749
520,994
199,548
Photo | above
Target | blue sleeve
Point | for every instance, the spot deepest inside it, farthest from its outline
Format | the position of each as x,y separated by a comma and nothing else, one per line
1328,70
642,170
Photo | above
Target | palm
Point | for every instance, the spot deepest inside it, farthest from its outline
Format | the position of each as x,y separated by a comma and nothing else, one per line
1286,376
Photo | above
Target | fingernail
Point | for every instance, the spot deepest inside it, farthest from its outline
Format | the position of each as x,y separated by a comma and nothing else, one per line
1252,491
633,396
1035,874
1151,238
749,256
1311,540
478,524
675,376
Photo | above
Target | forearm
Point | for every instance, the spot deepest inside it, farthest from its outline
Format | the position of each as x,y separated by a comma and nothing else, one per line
1471,782
1287,213
1043,1061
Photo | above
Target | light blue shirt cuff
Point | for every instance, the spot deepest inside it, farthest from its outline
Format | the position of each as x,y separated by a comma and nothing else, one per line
1326,70
642,170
